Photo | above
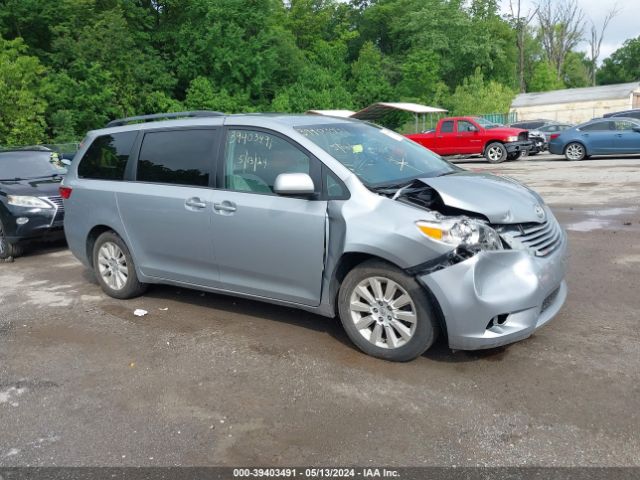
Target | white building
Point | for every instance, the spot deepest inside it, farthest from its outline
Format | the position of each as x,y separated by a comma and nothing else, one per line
577,105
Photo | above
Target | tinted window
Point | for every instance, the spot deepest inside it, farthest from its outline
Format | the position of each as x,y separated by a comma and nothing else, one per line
254,159
107,156
447,126
549,128
181,157
596,127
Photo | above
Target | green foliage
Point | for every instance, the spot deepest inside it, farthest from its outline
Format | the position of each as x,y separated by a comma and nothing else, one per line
69,66
476,95
575,72
544,78
369,82
202,95
21,104
623,65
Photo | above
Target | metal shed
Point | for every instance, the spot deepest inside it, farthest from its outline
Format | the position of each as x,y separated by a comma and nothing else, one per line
577,105
333,113
377,110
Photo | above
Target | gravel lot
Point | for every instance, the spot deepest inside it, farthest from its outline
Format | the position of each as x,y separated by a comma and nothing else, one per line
214,380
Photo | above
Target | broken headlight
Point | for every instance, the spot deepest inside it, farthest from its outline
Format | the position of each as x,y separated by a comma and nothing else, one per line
461,231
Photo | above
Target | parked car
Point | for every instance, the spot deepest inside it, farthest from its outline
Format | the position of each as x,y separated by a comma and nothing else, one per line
30,204
328,215
626,113
538,142
601,136
548,130
532,124
475,136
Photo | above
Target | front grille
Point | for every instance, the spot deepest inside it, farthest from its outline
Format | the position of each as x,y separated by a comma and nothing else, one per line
57,201
542,239
523,136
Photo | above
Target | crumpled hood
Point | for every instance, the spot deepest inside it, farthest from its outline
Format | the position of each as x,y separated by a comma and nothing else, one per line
499,199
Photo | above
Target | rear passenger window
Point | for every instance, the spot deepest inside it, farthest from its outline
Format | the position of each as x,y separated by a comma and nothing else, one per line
598,126
107,157
180,157
447,126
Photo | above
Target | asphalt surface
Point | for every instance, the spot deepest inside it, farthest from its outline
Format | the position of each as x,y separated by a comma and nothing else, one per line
205,379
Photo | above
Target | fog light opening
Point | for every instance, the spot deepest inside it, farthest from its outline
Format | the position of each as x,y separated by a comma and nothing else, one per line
22,220
498,320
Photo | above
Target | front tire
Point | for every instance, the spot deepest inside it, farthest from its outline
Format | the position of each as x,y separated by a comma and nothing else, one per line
575,152
114,268
386,313
516,155
495,152
7,249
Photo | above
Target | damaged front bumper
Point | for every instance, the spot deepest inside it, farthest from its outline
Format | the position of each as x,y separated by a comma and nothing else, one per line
500,297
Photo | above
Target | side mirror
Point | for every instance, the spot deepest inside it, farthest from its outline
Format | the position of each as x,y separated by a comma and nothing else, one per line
636,129
294,184
65,161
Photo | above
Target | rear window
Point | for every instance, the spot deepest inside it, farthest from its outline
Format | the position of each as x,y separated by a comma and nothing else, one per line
180,157
107,156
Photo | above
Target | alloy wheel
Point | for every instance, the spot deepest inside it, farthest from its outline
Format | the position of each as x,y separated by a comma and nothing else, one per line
383,312
494,154
575,151
112,266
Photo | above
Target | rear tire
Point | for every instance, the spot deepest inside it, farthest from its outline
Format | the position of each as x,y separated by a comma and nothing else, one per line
7,249
495,152
575,152
114,267
386,313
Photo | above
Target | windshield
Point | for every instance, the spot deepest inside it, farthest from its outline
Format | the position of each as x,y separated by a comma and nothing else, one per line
484,123
376,155
28,165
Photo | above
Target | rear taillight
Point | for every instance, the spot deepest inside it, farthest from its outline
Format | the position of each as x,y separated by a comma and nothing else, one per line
65,192
554,135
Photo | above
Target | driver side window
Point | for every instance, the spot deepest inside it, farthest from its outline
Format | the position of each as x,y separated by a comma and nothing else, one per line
254,159
464,126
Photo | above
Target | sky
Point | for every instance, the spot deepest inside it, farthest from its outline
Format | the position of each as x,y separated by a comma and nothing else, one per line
624,26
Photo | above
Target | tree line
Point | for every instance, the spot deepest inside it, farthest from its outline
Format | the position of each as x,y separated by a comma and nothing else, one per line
68,66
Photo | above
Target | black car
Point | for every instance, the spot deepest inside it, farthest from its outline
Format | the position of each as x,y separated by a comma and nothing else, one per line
626,113
536,135
532,124
30,204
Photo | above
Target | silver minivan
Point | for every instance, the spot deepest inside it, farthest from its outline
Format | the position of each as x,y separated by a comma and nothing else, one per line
329,215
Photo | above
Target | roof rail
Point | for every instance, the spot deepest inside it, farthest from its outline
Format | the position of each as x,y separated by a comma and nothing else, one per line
162,116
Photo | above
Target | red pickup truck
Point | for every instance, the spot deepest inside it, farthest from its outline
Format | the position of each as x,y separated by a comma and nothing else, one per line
475,135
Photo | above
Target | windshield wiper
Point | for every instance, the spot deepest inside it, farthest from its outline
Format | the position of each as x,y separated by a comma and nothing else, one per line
43,176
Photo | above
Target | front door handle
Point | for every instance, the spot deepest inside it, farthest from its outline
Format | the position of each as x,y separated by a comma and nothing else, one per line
195,203
226,206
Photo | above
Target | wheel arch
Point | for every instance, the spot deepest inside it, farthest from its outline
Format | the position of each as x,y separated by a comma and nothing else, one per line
93,235
580,142
350,260
489,142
